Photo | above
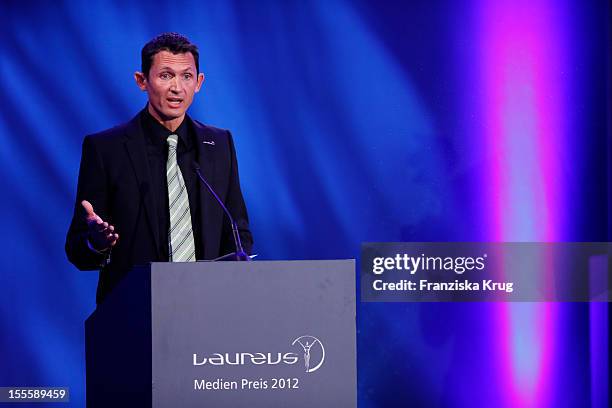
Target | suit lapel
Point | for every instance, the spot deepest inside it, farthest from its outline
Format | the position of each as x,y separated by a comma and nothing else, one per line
137,152
206,156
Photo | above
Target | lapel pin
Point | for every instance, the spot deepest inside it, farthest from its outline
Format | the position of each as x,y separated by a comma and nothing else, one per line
209,142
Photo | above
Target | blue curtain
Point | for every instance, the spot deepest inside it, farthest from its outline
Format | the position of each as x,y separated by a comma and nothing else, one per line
354,121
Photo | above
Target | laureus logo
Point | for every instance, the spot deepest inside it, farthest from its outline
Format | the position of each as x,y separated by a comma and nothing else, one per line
313,351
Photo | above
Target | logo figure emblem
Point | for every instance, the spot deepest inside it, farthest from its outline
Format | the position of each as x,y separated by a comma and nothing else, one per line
307,343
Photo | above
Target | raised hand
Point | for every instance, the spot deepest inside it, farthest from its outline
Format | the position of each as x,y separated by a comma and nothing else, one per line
101,234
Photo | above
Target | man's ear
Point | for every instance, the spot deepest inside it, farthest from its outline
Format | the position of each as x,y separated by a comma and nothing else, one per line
200,82
141,80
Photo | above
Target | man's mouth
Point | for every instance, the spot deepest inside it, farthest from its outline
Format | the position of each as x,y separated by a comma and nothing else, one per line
174,102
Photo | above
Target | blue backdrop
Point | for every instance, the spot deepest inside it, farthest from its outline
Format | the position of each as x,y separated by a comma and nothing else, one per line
354,121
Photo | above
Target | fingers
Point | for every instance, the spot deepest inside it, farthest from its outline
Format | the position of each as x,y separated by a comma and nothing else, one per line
112,239
91,216
104,238
88,208
100,232
105,229
111,236
109,230
96,226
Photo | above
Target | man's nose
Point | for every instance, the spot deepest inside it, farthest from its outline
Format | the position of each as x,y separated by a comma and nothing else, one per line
176,84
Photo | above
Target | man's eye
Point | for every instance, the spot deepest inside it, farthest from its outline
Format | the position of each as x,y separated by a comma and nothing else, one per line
165,75
187,76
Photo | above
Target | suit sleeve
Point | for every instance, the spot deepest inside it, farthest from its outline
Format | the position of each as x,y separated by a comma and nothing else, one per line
91,187
236,206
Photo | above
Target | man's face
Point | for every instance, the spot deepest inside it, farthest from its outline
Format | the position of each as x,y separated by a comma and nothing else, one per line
171,84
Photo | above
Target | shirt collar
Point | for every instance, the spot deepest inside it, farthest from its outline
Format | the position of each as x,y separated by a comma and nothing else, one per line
157,133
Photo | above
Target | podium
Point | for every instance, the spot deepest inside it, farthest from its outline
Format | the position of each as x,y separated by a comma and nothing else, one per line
226,334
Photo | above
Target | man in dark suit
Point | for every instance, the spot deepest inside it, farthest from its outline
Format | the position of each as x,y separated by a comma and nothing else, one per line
138,197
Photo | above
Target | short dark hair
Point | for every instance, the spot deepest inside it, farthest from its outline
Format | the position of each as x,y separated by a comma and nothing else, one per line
172,42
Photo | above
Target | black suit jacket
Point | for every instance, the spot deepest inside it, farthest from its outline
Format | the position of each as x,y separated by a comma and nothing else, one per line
114,177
